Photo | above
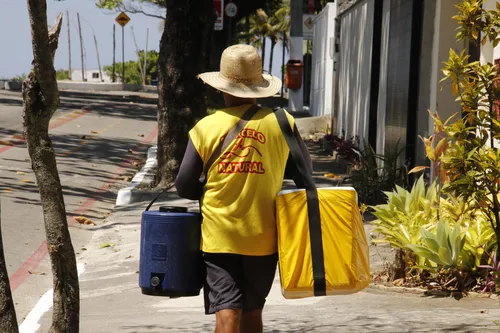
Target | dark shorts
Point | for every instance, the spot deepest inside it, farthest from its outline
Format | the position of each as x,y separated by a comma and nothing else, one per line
237,282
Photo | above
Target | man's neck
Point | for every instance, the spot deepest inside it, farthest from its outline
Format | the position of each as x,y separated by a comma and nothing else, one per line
239,102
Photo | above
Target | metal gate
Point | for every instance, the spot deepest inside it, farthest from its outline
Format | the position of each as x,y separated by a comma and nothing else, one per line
402,76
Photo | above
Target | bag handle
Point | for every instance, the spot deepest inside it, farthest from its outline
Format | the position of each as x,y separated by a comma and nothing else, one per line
313,212
230,136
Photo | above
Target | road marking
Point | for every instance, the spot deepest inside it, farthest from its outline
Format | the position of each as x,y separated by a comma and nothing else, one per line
31,322
36,258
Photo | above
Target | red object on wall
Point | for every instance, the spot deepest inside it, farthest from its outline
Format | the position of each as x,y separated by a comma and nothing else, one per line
310,6
293,79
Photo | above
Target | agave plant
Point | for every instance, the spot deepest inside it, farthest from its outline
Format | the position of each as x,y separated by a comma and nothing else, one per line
406,212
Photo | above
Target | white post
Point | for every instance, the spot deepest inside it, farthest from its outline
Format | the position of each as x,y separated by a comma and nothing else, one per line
296,97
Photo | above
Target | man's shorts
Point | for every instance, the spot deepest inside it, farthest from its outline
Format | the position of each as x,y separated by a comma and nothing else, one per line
237,282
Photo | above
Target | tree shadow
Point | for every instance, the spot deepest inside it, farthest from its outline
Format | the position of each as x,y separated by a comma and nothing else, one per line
122,158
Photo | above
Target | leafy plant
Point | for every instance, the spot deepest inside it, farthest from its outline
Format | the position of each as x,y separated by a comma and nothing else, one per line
132,70
376,173
492,279
62,74
18,78
400,220
441,249
346,148
468,159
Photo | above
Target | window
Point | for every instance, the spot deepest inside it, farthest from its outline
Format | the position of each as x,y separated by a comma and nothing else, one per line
95,75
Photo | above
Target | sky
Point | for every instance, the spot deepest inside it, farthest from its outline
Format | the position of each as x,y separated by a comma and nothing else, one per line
15,36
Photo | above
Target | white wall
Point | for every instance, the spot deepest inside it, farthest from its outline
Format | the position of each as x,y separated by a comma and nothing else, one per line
356,37
322,62
76,75
488,52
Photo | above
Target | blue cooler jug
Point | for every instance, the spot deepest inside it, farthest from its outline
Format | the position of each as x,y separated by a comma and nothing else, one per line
171,262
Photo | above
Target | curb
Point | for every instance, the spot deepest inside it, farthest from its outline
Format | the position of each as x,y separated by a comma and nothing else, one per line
430,293
125,195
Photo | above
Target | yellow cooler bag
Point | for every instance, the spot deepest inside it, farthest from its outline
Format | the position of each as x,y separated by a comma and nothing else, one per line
345,248
322,244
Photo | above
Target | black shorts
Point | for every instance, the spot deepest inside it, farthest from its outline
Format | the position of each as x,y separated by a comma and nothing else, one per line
237,282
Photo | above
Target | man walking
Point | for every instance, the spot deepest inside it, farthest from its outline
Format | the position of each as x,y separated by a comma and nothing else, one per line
243,178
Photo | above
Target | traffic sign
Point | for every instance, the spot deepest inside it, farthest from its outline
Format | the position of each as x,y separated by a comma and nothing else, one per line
122,19
231,9
219,12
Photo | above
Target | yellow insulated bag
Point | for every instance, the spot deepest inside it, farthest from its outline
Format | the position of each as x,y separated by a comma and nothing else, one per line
322,244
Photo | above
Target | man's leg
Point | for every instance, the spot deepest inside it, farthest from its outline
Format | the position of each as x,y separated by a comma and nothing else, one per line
228,321
258,276
251,322
223,290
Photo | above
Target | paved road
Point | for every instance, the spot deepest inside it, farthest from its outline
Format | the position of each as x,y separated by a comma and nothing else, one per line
97,140
112,301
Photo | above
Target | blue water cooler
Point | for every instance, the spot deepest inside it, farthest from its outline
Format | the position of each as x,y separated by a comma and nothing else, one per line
171,263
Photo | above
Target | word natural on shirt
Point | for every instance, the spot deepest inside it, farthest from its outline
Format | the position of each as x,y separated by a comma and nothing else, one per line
241,151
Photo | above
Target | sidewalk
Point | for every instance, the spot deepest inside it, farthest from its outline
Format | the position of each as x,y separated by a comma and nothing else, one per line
111,300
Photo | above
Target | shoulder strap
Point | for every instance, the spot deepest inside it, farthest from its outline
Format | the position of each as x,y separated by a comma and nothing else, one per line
313,212
230,136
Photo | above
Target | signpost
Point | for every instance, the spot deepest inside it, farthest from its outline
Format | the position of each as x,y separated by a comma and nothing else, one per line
308,26
122,19
219,11
231,11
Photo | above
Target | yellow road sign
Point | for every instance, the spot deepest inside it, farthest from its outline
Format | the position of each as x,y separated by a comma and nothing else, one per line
122,19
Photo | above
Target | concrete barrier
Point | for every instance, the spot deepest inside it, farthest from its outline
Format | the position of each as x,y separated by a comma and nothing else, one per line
2,84
98,86
13,85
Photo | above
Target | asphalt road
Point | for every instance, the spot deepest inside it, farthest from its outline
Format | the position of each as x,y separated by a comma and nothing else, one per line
98,140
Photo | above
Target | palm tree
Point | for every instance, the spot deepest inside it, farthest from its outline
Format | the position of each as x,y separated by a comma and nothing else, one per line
259,30
280,28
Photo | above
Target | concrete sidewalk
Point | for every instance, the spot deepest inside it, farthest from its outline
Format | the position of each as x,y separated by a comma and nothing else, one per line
111,300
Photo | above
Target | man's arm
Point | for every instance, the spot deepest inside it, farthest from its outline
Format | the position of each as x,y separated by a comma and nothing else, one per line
291,171
188,183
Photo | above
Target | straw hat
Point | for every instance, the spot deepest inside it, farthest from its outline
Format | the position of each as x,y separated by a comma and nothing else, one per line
241,74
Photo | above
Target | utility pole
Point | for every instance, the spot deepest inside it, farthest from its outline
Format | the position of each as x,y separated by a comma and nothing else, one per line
296,97
146,56
69,44
123,54
98,58
114,54
81,45
138,55
283,64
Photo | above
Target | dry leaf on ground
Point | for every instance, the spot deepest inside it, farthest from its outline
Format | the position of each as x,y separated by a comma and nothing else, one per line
94,132
105,245
5,143
84,220
21,173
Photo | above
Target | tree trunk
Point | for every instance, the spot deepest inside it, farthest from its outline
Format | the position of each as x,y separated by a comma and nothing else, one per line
41,100
271,55
8,321
263,51
397,269
181,98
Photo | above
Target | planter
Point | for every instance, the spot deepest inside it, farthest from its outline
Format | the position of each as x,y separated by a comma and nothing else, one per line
13,85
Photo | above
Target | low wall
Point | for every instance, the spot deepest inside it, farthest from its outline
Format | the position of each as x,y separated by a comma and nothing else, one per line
91,86
312,125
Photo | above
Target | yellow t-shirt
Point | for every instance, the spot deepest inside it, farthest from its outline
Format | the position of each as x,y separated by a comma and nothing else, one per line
238,201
